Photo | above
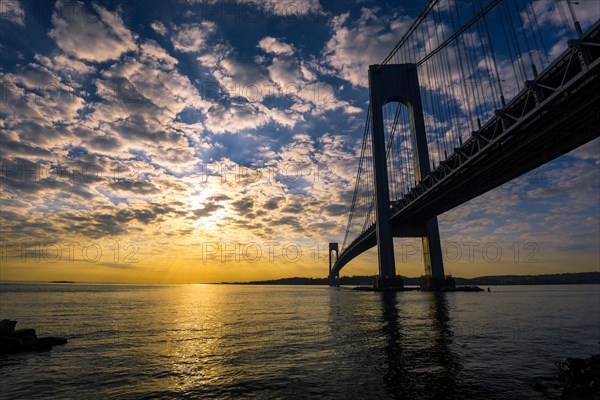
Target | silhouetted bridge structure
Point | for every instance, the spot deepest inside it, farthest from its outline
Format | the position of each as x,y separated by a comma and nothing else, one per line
425,149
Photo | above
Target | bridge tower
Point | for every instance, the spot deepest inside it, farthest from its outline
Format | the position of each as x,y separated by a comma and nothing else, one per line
333,248
400,83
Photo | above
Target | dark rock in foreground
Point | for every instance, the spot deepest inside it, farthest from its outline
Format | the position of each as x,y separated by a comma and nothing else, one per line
580,377
7,327
19,340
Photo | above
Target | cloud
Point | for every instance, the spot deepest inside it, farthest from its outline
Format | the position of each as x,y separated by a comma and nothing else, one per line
355,45
296,8
190,38
151,49
256,93
65,66
287,8
125,90
36,96
273,203
589,151
243,206
12,11
104,143
240,79
546,11
159,27
117,220
235,118
271,45
13,147
207,210
92,36
285,71
132,117
136,187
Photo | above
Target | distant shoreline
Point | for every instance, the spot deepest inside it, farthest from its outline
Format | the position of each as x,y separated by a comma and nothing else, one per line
575,278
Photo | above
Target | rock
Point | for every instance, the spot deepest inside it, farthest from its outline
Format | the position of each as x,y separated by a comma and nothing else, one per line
7,327
20,340
10,344
46,343
577,393
571,369
26,337
538,385
580,377
24,332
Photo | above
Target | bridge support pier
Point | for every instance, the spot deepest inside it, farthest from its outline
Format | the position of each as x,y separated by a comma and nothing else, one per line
333,280
379,84
388,283
434,278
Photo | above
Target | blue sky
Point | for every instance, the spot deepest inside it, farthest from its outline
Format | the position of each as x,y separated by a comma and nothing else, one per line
154,130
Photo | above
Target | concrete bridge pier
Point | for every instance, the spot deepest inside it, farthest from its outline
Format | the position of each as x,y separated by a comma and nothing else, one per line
434,278
333,280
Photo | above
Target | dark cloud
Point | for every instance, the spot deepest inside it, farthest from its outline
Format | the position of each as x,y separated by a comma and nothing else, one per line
326,227
24,177
335,210
137,187
14,148
118,265
207,210
295,207
290,221
105,142
138,127
34,133
219,197
273,204
109,221
243,206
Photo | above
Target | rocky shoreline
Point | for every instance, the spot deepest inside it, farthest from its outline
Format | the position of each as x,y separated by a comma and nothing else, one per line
581,377
577,379
21,340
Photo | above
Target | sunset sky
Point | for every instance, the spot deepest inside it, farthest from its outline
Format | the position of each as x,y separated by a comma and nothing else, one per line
208,141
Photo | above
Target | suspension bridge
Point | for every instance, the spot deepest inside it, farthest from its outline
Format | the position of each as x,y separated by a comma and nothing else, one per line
472,96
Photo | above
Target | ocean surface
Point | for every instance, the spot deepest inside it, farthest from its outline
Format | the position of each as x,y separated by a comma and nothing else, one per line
294,342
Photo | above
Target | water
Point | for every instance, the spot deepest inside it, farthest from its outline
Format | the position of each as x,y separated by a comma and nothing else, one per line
220,341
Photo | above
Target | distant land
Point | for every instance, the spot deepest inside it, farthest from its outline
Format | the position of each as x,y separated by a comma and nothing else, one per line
550,279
